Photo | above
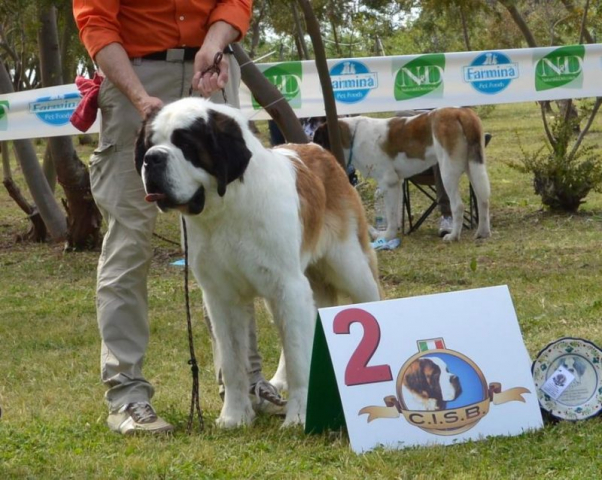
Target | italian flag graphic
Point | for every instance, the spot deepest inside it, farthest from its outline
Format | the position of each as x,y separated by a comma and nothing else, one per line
431,344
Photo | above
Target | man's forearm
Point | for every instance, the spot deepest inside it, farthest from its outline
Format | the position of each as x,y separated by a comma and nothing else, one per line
115,65
221,34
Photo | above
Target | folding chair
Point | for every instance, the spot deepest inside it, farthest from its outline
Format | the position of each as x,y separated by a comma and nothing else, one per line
424,183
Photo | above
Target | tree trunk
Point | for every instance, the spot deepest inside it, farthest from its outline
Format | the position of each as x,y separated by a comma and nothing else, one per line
68,35
569,5
37,231
465,29
520,22
83,217
336,39
269,98
32,172
300,34
313,28
48,168
255,30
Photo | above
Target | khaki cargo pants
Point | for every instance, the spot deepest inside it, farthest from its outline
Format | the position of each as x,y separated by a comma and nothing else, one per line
122,303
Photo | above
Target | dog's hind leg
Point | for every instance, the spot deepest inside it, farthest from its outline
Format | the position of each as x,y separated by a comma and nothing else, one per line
353,271
451,171
230,322
477,172
294,314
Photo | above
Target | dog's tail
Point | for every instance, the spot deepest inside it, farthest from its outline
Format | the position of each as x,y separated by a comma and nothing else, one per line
473,132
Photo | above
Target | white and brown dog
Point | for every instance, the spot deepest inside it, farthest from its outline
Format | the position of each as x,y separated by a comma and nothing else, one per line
429,385
392,149
283,224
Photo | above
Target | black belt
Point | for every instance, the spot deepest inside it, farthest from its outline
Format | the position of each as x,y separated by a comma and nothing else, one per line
185,54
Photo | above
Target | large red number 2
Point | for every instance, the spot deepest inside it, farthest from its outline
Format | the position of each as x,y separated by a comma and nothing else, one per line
357,371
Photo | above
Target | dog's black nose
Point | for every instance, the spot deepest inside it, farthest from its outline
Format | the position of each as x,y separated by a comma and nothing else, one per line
155,158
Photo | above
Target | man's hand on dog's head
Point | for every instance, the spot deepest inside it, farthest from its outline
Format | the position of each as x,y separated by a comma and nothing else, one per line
148,106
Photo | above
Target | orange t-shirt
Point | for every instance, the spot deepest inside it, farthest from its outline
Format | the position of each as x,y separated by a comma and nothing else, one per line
149,26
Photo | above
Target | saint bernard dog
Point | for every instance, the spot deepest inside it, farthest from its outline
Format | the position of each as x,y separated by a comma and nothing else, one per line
281,224
429,385
392,149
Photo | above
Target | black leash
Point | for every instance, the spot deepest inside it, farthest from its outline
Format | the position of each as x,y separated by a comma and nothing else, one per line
194,368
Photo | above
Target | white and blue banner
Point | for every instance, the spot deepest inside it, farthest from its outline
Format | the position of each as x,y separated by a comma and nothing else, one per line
368,85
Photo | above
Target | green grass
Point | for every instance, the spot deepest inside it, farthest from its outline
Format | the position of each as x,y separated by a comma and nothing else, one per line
53,423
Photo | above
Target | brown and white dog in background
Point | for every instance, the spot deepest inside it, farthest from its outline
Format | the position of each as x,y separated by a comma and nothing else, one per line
283,224
392,149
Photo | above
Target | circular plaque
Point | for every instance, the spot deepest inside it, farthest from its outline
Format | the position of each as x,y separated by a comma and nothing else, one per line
568,378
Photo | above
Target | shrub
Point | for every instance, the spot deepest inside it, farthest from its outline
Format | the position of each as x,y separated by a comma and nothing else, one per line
564,171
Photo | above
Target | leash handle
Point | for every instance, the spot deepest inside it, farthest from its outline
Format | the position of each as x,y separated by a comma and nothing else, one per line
214,68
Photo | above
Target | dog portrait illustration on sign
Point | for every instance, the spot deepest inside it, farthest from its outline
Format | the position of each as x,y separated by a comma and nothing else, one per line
442,392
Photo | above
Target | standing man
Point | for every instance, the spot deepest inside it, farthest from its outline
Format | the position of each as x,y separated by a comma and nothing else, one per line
150,52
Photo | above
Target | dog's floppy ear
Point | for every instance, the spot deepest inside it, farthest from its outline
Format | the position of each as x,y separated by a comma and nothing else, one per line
321,136
142,142
232,155
415,379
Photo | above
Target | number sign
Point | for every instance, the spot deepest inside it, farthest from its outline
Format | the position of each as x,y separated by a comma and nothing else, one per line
436,369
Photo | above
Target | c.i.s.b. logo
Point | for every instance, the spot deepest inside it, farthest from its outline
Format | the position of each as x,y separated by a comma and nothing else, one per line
491,72
352,81
4,107
286,77
562,67
420,76
55,110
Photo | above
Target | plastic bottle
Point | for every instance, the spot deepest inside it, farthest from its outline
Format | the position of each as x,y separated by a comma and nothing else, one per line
380,215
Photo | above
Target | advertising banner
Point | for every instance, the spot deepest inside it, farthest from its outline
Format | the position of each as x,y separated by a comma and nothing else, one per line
367,85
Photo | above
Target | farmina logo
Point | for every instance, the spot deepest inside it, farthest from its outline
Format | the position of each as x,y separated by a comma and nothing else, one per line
491,72
55,110
352,81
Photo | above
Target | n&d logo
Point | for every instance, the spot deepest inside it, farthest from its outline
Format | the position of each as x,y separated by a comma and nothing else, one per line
420,76
560,67
4,108
55,110
442,392
491,72
352,81
286,77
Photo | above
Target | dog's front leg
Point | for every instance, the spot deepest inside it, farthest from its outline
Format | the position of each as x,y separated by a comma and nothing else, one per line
230,322
294,314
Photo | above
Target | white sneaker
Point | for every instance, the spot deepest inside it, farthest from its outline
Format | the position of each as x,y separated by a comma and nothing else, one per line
445,226
137,417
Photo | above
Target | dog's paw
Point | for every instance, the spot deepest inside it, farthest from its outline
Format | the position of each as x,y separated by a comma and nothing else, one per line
297,419
295,414
234,419
485,234
374,233
450,237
